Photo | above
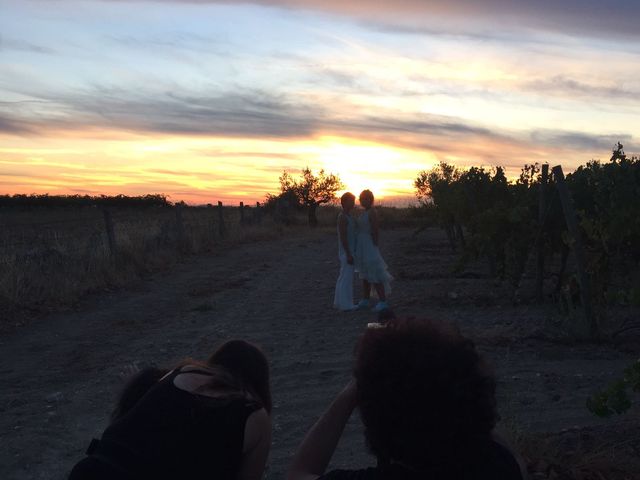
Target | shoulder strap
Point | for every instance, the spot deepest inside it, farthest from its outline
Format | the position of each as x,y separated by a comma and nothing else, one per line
195,369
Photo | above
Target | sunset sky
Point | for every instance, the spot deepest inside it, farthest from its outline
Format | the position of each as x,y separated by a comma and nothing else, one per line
209,100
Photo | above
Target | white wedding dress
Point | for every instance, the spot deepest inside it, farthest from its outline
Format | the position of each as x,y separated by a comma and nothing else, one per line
368,260
343,298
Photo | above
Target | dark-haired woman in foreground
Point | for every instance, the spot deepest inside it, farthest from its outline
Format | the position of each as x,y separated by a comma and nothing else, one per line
427,403
201,420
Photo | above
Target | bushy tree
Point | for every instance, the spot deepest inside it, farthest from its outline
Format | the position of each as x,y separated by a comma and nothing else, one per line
310,190
438,187
606,197
484,213
503,221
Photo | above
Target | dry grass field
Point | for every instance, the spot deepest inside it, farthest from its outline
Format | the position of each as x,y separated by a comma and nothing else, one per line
50,258
274,286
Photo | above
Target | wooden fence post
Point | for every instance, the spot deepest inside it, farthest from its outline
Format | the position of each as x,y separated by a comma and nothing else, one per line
180,227
211,221
542,213
111,236
221,229
257,214
574,232
241,213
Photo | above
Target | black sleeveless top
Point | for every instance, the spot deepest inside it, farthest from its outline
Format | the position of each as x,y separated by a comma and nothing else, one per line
491,462
171,433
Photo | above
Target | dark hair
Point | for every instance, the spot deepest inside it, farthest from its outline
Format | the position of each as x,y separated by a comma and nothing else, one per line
424,393
366,194
248,365
243,366
348,196
136,388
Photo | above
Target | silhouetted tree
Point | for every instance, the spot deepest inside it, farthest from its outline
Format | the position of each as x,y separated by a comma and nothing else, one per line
439,187
311,190
618,153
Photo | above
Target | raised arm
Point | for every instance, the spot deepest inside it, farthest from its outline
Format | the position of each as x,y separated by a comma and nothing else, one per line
315,451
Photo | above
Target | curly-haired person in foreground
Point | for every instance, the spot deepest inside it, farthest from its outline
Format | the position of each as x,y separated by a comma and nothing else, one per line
427,402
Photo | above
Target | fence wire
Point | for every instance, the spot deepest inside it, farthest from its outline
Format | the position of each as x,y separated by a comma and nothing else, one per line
122,228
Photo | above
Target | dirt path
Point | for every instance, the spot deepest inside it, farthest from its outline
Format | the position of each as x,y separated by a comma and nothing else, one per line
59,377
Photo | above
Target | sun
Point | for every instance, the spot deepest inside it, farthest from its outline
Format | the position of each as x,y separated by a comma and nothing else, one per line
361,165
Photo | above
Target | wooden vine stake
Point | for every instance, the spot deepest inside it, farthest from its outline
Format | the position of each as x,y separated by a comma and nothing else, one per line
180,228
577,247
221,229
542,208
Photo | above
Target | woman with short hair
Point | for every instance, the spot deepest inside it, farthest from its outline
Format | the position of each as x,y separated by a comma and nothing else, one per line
427,402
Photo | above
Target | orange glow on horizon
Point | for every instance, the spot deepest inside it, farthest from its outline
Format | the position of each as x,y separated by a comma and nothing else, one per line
202,170
385,170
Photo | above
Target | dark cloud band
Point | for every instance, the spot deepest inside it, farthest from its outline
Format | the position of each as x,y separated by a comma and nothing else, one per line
614,18
258,114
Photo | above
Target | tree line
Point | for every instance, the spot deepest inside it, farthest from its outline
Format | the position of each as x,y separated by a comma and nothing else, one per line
46,200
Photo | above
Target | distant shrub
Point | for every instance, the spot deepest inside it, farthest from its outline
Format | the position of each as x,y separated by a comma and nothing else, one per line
615,399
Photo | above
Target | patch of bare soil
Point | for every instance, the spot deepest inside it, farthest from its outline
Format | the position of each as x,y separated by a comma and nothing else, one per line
60,375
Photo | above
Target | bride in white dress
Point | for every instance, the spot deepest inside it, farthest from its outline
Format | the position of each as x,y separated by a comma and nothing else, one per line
343,298
368,261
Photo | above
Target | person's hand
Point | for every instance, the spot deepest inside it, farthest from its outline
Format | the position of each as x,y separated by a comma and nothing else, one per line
350,259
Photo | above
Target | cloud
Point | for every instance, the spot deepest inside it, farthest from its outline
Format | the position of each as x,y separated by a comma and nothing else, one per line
341,79
244,114
247,154
249,114
256,114
582,141
564,86
614,18
183,46
23,46
13,126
